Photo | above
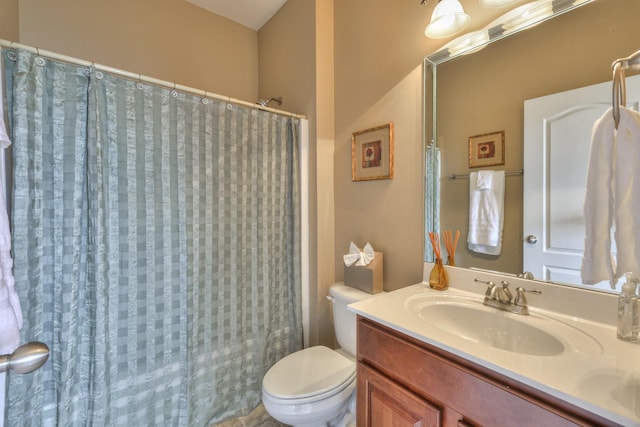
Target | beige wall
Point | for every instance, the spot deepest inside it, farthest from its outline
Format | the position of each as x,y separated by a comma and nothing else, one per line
296,62
286,58
349,85
386,213
325,197
365,71
484,92
9,22
379,47
296,49
171,40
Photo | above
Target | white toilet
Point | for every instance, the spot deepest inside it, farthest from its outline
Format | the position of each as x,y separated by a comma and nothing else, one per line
316,386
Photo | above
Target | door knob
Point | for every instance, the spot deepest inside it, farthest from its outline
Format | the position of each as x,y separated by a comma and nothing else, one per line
26,358
532,239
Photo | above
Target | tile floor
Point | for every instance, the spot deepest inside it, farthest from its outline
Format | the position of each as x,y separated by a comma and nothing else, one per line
257,418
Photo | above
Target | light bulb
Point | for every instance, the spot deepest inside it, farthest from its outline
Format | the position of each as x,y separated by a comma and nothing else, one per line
448,19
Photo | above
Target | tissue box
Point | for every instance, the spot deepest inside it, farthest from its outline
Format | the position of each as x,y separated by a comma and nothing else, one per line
367,278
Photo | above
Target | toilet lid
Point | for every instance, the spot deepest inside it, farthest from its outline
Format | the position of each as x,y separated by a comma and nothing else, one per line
308,372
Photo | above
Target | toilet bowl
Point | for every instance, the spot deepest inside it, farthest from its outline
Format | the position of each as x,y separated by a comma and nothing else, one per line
311,387
316,386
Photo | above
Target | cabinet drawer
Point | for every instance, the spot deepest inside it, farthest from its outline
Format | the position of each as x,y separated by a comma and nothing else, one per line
444,382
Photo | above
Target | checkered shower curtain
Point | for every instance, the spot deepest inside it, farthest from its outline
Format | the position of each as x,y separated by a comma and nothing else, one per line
156,248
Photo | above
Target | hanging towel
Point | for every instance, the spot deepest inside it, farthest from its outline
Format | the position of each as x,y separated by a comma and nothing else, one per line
486,211
10,311
612,199
4,137
485,180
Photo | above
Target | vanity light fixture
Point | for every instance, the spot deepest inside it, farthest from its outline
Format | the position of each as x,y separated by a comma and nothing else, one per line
497,3
468,43
526,16
448,19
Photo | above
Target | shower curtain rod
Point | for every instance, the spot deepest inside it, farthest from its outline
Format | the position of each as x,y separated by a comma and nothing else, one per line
140,77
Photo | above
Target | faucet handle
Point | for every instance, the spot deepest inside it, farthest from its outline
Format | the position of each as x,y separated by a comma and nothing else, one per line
521,300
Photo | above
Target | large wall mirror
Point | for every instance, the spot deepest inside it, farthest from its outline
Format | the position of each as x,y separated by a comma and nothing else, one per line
485,92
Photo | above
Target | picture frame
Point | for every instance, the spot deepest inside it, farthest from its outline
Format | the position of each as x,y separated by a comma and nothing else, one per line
486,149
372,153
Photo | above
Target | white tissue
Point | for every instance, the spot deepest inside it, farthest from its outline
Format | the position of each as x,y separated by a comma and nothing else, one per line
357,257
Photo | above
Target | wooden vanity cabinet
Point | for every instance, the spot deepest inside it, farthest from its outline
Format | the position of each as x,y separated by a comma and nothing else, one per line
406,382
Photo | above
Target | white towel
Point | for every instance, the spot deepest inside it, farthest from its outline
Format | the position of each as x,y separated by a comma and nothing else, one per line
4,137
10,311
612,199
486,212
485,180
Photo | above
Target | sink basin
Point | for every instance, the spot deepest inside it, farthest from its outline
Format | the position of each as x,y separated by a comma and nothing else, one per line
467,318
493,329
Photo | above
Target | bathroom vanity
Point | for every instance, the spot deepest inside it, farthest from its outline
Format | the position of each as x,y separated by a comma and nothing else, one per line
444,359
402,381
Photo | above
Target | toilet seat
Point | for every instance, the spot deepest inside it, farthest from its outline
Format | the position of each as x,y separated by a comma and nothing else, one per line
309,375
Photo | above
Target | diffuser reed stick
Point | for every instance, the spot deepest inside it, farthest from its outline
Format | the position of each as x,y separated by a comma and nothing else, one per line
450,244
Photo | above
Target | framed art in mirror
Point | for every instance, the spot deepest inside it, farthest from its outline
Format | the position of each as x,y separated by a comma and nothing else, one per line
372,153
486,149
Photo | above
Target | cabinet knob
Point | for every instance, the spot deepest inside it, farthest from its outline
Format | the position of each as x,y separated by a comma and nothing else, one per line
532,239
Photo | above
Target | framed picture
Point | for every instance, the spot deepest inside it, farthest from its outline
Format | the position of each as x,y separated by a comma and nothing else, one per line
486,149
372,153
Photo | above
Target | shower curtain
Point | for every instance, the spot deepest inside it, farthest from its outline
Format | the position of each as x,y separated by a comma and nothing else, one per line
432,198
156,248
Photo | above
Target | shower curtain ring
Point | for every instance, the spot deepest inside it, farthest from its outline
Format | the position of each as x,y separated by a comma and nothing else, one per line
39,61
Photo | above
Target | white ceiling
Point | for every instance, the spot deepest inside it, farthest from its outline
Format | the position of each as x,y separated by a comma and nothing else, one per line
250,13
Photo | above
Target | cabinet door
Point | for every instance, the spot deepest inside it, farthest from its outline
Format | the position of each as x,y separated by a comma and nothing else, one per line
383,403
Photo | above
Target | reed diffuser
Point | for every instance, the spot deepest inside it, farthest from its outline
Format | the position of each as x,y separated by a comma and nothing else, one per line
438,277
450,244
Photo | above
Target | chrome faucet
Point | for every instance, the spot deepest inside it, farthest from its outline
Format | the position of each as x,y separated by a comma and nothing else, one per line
503,294
500,297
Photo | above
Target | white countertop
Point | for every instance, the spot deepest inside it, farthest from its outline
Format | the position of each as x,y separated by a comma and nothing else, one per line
603,377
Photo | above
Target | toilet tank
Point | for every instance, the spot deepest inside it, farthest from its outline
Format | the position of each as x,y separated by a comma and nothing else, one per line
344,321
